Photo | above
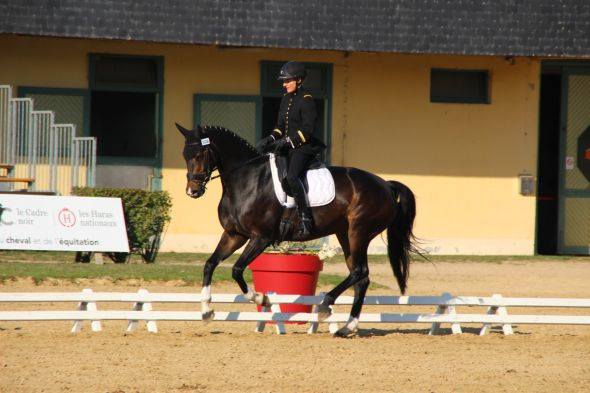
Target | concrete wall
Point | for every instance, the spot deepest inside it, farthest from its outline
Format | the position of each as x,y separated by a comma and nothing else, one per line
461,160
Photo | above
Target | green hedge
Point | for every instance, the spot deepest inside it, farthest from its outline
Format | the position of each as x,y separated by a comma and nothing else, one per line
146,215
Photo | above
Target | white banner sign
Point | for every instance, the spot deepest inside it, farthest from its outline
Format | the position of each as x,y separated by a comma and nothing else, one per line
33,222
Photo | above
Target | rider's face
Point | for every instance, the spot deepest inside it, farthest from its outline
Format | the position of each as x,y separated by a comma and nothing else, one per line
290,85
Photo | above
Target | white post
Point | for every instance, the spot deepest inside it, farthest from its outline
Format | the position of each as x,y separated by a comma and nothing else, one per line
497,310
436,325
260,325
275,308
279,326
86,306
313,326
506,327
142,306
444,309
455,327
333,326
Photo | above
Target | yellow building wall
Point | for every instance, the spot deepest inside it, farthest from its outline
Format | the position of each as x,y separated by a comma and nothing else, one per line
461,160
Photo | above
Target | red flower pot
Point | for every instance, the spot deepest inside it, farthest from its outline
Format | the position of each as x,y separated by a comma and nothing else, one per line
287,274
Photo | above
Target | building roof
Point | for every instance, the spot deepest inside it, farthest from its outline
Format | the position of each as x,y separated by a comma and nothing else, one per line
554,28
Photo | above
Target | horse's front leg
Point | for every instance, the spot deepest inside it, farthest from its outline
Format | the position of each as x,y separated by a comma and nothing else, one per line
228,244
254,248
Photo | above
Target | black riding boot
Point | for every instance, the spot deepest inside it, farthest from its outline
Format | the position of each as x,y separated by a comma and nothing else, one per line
305,217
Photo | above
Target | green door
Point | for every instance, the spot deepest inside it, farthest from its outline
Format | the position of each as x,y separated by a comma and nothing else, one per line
574,195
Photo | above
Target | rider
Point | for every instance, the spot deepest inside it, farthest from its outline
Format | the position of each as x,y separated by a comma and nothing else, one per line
293,136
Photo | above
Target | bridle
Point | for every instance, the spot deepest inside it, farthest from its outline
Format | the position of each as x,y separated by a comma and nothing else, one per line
212,151
205,176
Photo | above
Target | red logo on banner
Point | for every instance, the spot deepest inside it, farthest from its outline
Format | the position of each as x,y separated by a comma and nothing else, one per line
66,217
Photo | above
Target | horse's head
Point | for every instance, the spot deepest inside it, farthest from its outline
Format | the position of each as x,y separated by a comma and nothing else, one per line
199,159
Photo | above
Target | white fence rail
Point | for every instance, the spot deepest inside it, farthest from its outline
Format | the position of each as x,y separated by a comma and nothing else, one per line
446,304
41,150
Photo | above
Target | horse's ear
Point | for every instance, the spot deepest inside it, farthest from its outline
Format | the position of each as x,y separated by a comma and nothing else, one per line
183,130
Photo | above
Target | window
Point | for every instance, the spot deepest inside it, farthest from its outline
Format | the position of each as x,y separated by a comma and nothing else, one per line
459,86
240,114
125,106
112,70
70,106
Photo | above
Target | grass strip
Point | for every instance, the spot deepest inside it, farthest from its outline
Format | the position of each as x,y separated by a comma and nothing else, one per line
173,258
190,274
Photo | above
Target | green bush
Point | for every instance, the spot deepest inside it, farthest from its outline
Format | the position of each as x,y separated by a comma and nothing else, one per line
146,215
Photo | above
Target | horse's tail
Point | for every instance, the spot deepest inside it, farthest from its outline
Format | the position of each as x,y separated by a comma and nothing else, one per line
400,238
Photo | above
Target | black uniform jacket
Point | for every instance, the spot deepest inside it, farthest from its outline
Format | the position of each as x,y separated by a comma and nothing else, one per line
297,117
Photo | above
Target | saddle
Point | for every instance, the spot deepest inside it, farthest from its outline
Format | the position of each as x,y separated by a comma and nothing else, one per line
318,183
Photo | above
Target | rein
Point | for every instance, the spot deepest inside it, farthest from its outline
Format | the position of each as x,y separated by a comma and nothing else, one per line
207,177
248,162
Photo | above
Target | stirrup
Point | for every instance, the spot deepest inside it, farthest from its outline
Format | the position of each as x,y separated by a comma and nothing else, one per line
305,225
285,228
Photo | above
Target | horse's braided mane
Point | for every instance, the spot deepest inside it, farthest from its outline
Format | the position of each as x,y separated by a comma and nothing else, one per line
225,131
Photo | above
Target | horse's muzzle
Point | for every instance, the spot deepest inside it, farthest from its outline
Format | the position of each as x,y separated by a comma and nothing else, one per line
196,193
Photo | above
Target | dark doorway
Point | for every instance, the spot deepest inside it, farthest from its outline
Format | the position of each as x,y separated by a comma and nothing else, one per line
548,159
270,111
126,118
124,123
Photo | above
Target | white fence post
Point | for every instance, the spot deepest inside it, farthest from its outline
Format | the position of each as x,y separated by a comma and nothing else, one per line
279,326
333,326
313,326
445,309
275,308
260,325
497,310
86,306
142,306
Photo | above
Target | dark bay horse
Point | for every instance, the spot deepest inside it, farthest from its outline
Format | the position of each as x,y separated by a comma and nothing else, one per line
364,206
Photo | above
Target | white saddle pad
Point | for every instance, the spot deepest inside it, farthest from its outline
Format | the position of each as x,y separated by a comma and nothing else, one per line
320,181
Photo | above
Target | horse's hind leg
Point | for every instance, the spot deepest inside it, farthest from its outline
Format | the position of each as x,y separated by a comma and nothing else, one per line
227,245
360,289
357,260
324,310
355,251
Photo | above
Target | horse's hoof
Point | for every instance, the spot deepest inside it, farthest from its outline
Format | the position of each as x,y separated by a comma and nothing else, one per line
208,316
261,299
324,312
343,333
265,301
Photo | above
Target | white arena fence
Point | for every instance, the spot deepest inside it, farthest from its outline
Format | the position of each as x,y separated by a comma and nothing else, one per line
142,310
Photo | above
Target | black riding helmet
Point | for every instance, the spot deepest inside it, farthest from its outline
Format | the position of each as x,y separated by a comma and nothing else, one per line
292,70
